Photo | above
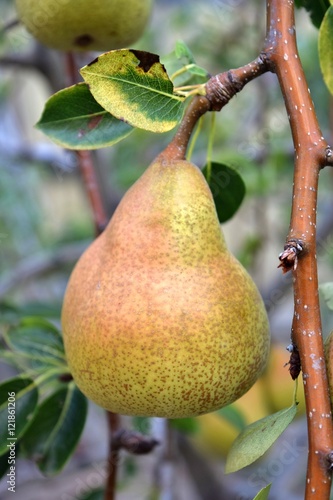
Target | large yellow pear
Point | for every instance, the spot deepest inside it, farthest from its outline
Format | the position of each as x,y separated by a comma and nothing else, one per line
85,24
159,319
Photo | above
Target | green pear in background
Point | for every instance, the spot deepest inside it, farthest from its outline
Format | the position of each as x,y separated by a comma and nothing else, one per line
85,24
159,318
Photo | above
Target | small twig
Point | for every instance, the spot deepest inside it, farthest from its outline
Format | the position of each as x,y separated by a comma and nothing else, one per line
86,165
133,442
202,475
37,265
165,466
9,25
88,174
41,59
113,457
311,154
219,90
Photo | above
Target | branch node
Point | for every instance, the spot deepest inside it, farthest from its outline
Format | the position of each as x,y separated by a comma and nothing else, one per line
329,461
289,257
133,442
220,89
329,156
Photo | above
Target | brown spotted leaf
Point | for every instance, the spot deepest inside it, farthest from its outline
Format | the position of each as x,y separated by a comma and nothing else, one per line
134,86
73,119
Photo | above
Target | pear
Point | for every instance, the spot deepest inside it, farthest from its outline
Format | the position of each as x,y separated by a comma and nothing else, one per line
85,24
159,318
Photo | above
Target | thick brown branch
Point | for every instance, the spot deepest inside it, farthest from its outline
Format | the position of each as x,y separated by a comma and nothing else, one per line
311,154
222,87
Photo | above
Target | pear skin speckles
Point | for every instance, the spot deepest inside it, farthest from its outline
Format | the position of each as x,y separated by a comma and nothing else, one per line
159,319
86,25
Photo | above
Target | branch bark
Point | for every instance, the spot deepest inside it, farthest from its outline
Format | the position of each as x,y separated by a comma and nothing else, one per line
86,165
311,154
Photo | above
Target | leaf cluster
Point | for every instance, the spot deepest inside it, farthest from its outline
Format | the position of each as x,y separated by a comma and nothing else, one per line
49,410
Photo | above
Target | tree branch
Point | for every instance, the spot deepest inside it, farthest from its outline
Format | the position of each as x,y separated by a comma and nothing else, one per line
86,164
88,174
311,154
36,265
218,91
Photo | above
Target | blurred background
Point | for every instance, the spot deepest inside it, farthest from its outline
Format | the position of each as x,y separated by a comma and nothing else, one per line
46,223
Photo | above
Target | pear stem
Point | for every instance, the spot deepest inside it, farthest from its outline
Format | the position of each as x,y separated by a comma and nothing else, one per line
311,154
176,149
219,90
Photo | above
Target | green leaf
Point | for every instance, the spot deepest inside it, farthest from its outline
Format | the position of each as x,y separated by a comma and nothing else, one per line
10,357
134,86
184,54
53,434
45,310
182,51
255,439
141,424
194,69
185,425
73,119
326,289
316,9
8,313
325,47
181,65
18,402
263,493
12,313
38,340
228,189
233,416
